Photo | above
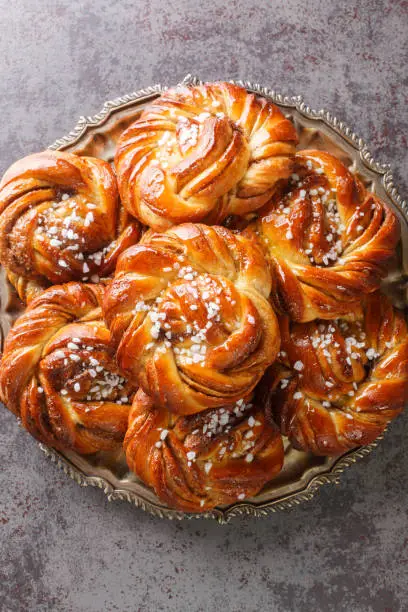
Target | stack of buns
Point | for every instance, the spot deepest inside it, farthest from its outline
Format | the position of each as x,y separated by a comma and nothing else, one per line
215,292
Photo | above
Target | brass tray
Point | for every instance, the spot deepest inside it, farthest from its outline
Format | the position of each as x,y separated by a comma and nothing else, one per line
303,473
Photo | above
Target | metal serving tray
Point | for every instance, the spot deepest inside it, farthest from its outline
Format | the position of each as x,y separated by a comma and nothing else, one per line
303,473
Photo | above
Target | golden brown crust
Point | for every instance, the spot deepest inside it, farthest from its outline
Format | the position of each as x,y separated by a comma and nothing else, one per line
338,384
61,220
58,372
328,239
188,310
197,462
200,153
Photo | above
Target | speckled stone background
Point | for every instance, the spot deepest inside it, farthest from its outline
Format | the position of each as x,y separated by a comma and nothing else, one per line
64,548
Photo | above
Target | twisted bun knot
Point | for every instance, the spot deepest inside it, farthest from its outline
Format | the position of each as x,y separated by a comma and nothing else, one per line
58,372
201,153
340,383
197,462
188,310
328,239
61,220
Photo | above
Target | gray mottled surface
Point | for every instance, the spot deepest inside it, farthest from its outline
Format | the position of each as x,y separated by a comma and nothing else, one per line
67,549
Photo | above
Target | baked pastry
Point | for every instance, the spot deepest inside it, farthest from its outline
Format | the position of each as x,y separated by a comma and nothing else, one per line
197,462
189,315
328,239
58,372
339,383
201,153
188,310
61,220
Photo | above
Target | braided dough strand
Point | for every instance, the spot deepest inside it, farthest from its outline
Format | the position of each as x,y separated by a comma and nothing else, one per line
61,220
58,372
338,383
197,462
328,240
202,153
189,313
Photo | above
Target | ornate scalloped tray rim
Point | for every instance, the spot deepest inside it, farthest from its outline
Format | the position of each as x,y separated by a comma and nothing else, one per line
224,515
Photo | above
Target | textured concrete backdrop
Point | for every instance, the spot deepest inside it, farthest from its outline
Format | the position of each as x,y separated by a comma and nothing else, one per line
67,549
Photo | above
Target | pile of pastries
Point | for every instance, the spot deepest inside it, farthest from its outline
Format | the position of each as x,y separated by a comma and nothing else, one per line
214,291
